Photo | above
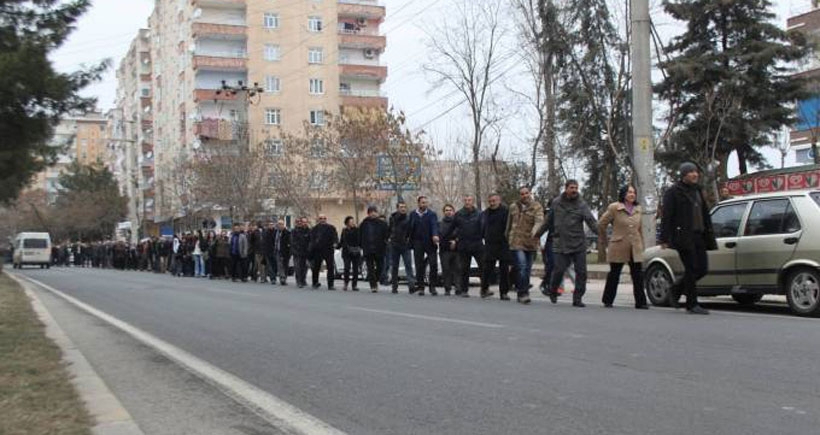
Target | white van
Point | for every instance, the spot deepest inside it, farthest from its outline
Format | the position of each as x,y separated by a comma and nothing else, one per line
32,248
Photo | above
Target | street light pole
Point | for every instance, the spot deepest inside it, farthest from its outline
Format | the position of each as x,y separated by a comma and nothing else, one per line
643,148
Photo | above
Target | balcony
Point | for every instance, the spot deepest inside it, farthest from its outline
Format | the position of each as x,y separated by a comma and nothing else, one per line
220,63
361,9
212,95
359,39
199,30
145,77
223,4
367,72
364,101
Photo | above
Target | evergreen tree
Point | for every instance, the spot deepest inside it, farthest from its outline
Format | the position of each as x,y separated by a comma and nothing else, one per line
89,204
33,96
728,81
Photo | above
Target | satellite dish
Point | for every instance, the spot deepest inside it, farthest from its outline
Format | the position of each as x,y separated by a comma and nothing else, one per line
196,144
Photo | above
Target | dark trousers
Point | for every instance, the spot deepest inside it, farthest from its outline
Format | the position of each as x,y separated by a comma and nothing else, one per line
425,256
236,267
401,254
300,269
270,267
449,269
465,254
352,264
384,266
548,257
614,276
562,262
316,265
696,265
375,266
493,254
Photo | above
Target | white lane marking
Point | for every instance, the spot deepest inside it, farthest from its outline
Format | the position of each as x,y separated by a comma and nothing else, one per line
423,317
279,413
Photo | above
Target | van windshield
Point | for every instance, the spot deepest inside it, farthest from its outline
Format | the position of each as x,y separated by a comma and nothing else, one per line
35,243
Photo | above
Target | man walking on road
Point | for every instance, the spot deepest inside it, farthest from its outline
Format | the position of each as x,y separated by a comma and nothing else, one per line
448,256
424,237
467,232
373,233
566,223
281,249
496,248
269,248
399,229
239,254
686,227
323,241
300,247
525,218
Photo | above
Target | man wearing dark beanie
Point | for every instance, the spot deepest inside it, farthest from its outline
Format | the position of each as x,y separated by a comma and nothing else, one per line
686,227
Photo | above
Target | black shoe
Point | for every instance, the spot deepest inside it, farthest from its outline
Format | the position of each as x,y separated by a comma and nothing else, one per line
433,292
579,304
524,300
283,283
553,297
316,285
420,292
394,291
331,288
641,307
464,295
300,286
505,297
413,290
486,293
446,292
607,305
697,309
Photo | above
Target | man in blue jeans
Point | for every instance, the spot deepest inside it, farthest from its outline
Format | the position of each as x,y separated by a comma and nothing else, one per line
399,247
523,223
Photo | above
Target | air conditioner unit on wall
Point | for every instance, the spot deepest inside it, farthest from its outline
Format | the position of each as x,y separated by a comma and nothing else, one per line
362,21
369,53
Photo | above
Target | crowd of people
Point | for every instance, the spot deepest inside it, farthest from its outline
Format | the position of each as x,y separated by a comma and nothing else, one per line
502,240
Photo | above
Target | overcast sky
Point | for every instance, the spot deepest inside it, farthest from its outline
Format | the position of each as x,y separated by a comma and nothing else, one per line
106,32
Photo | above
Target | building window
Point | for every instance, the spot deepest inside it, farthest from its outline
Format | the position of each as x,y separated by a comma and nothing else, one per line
273,147
272,84
317,117
317,149
316,55
273,116
271,20
315,24
272,52
317,86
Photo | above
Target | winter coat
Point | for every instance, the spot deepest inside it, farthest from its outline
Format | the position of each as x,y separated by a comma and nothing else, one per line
468,233
284,248
626,243
523,223
268,242
239,244
373,233
323,238
422,228
399,230
677,219
350,238
566,224
494,225
300,241
223,248
446,227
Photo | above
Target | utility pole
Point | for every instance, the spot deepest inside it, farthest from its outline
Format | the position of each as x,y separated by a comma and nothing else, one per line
643,148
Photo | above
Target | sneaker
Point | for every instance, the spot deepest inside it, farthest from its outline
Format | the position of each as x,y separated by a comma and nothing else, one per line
524,300
697,309
374,290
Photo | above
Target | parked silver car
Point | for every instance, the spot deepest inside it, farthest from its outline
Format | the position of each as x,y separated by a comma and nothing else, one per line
767,244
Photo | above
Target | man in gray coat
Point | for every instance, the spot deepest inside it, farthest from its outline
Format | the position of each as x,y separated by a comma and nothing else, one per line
566,225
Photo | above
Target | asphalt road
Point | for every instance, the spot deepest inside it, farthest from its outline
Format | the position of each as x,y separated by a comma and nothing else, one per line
400,364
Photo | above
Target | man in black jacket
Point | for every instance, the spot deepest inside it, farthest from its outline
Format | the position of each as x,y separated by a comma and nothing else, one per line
300,246
686,227
469,242
399,247
373,234
448,255
281,249
496,247
269,249
323,240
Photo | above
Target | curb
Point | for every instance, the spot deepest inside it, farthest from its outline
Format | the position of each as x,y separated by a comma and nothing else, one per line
110,416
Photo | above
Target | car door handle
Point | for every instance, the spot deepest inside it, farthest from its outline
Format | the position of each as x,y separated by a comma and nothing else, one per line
791,240
731,245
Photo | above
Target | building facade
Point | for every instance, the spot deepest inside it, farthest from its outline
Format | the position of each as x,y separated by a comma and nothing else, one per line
310,58
806,131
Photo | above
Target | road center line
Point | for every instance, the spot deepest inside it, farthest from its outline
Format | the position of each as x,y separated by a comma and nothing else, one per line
423,317
279,413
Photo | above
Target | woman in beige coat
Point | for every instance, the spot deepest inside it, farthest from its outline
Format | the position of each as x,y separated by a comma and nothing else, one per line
625,246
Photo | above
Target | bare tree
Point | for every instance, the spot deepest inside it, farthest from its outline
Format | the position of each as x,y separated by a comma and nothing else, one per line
465,54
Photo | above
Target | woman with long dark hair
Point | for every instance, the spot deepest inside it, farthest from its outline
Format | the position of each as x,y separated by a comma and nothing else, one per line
625,246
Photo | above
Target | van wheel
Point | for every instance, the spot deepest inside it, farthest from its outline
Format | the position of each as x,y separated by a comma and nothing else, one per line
803,292
747,300
657,283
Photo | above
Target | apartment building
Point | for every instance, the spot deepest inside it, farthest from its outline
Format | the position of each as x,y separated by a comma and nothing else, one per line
807,128
130,133
310,57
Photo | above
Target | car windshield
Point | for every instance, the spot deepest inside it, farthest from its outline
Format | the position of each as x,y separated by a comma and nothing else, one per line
35,243
816,197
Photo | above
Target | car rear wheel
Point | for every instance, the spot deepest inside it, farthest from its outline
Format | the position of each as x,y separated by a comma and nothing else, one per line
657,284
803,292
747,299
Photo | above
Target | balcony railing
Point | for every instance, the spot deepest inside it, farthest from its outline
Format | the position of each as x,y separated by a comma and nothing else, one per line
220,63
361,9
200,29
360,40
360,31
212,95
238,4
360,92
364,101
364,71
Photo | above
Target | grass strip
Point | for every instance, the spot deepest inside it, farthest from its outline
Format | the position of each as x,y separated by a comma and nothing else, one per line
36,394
